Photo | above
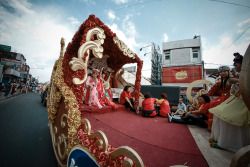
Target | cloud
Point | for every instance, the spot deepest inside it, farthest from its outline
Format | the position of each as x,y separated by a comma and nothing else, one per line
127,33
165,37
243,22
221,53
244,26
111,14
22,6
37,35
120,1
129,40
74,21
216,55
128,26
91,2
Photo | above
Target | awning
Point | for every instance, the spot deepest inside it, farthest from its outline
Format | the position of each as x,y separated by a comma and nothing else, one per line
10,71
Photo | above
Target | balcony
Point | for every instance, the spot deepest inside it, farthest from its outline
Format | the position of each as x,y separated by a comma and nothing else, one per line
10,71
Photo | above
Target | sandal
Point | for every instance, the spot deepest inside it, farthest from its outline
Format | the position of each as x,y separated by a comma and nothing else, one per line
215,145
211,140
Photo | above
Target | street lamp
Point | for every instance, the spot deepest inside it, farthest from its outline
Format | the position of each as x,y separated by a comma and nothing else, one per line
196,36
146,53
145,47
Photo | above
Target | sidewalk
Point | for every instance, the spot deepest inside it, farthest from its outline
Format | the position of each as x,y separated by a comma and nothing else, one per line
2,97
213,156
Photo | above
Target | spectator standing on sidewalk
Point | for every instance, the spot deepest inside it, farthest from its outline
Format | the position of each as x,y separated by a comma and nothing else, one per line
13,89
1,87
7,88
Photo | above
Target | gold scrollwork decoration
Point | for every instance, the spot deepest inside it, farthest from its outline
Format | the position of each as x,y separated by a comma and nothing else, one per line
87,127
63,124
124,48
57,90
102,140
202,91
61,140
132,156
97,50
129,152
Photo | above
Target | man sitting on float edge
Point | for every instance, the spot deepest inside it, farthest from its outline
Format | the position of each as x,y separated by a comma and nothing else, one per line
126,98
181,105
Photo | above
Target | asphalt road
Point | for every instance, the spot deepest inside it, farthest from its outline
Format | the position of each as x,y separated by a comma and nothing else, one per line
24,133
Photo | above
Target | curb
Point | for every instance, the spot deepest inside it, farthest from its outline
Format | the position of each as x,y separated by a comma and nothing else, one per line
10,96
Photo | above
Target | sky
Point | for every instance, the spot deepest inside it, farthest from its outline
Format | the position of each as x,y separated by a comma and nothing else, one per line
34,27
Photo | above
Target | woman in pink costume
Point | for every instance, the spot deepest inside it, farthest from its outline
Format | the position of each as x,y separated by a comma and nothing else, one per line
92,93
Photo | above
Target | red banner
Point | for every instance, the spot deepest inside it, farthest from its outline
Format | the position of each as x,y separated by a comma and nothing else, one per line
181,74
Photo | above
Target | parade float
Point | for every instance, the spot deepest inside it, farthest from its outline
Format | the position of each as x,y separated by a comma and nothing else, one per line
71,122
93,46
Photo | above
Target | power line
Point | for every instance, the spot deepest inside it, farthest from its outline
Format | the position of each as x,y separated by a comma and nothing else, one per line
218,64
140,3
243,30
240,35
231,3
128,6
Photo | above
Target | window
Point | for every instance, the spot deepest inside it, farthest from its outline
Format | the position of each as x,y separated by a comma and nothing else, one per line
167,55
195,54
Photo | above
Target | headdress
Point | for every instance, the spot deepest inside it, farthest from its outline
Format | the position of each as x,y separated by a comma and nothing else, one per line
95,70
224,68
107,70
238,58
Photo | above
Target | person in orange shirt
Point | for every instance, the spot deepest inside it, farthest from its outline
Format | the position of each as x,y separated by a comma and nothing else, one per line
164,105
198,116
148,106
126,98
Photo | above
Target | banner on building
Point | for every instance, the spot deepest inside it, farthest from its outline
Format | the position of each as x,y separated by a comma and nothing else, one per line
181,74
10,62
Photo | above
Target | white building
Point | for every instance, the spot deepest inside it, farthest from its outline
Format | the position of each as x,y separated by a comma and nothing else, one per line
182,53
182,63
130,76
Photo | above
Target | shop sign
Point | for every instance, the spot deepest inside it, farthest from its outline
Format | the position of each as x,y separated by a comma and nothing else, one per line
181,75
10,62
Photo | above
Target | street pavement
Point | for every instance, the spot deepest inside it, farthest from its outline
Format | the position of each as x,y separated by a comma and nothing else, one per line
24,133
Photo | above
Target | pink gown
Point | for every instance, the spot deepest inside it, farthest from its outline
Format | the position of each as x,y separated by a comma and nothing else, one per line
92,94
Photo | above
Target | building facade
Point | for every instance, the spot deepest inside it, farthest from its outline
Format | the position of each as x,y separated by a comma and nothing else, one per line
130,76
13,67
182,63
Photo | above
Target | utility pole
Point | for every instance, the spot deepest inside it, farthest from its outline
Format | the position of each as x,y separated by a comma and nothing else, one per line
156,70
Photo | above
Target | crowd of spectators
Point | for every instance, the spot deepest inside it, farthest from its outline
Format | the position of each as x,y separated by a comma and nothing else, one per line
11,88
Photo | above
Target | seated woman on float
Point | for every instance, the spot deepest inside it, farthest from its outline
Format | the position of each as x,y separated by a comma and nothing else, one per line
104,92
231,124
221,89
91,98
148,106
127,99
197,117
163,105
